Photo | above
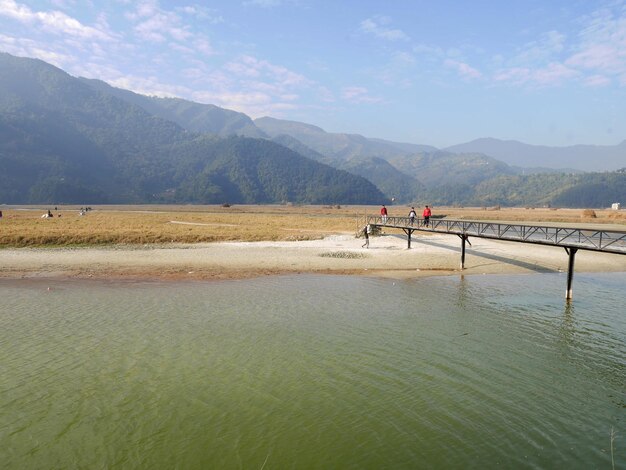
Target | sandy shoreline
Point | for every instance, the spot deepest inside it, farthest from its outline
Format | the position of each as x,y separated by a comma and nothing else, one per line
387,256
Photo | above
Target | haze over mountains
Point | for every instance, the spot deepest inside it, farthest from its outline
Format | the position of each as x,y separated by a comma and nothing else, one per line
67,140
578,157
76,140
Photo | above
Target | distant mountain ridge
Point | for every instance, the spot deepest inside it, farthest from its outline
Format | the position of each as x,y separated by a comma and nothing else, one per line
580,157
65,139
336,145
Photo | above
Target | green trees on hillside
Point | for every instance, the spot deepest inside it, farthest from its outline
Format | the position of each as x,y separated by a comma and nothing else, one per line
243,170
553,189
69,140
66,140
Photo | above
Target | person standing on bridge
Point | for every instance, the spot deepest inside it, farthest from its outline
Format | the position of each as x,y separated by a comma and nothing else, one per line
427,213
412,215
383,214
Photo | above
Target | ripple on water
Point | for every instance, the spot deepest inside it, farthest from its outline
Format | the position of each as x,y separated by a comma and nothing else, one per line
311,371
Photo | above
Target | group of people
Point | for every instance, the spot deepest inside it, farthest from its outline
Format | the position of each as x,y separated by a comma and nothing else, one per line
426,213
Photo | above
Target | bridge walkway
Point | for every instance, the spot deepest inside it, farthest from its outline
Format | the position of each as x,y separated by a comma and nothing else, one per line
571,239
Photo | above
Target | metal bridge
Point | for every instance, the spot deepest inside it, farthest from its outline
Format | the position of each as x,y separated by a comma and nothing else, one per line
571,239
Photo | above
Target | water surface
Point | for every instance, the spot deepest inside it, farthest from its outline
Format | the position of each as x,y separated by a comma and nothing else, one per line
314,372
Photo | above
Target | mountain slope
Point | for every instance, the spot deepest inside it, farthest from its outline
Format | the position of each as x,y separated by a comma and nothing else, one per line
391,181
66,141
195,117
250,171
340,147
445,168
597,190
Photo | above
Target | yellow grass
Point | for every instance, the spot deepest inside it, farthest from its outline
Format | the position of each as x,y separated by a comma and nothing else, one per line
108,225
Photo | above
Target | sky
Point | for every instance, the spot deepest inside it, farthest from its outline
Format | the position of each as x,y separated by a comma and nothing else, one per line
427,72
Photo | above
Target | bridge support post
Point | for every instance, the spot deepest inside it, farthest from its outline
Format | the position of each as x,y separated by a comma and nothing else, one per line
464,238
570,271
408,232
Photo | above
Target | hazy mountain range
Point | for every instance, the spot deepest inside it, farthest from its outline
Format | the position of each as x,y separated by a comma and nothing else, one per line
578,157
67,140
76,140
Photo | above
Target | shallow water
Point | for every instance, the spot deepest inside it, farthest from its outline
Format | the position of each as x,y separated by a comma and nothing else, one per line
314,372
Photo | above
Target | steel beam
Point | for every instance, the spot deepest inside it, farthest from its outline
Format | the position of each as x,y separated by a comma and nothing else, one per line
408,232
570,271
464,238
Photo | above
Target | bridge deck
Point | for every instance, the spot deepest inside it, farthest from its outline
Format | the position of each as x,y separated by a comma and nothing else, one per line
609,241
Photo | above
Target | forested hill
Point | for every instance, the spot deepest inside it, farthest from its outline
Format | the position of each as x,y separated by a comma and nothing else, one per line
195,117
597,190
63,140
70,140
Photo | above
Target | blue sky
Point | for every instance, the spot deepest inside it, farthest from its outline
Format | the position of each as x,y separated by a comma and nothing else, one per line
429,72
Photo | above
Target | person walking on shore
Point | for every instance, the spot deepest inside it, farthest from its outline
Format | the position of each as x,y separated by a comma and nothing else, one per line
427,213
366,234
383,214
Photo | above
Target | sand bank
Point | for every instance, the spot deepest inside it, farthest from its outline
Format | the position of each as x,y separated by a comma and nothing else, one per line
387,256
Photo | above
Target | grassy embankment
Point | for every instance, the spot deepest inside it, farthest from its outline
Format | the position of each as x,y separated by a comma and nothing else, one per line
132,225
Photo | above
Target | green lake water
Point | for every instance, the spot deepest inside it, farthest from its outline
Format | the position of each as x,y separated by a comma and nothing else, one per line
327,372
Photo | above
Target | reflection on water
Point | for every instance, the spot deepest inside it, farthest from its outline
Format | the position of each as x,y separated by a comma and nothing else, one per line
313,372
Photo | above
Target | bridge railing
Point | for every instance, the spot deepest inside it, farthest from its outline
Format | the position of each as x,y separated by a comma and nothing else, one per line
588,239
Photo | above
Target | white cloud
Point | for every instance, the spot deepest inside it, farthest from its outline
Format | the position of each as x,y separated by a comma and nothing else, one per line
597,57
325,95
158,26
548,46
594,57
464,70
63,3
204,46
602,44
209,15
249,66
29,48
254,104
513,75
358,94
151,86
254,86
143,9
597,81
55,22
428,50
551,75
269,3
399,71
183,49
401,58
378,27
193,73
17,12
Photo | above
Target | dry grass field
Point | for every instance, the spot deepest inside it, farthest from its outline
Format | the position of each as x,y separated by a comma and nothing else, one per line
133,225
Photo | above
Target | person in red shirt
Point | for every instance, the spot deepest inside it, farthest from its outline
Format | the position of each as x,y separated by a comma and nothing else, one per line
383,214
426,214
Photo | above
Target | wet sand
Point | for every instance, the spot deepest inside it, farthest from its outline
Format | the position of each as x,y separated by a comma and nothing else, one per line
387,256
